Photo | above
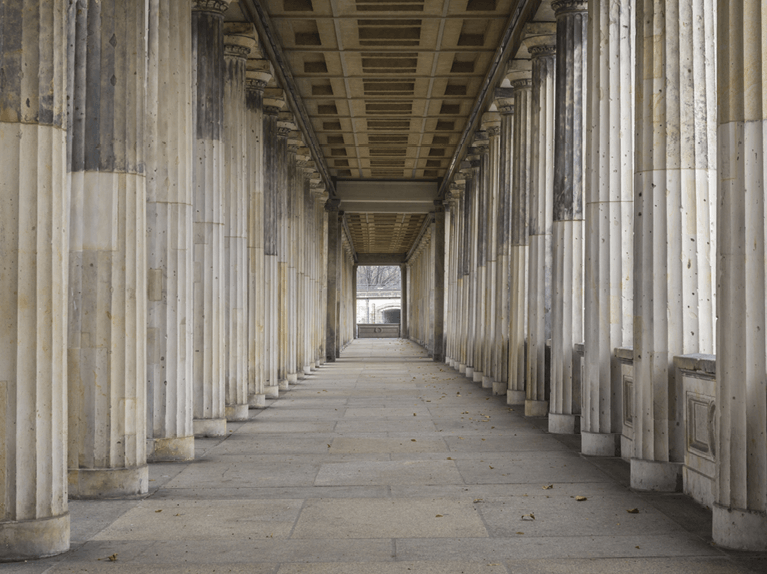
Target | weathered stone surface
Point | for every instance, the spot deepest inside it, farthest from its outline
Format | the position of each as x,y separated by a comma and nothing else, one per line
34,247
107,336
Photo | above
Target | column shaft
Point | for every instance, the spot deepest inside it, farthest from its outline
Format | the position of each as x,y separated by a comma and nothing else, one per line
209,387
438,297
567,259
334,263
107,267
34,245
609,281
674,201
541,213
170,217
740,510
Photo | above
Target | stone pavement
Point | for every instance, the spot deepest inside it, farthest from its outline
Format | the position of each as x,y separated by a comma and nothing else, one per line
388,463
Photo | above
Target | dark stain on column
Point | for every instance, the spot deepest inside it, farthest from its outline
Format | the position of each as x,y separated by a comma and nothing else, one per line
270,188
467,200
208,53
572,31
520,169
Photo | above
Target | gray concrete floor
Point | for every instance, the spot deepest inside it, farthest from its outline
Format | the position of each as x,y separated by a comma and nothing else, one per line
388,463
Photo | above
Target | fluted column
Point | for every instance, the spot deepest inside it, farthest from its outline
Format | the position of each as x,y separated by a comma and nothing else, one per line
482,148
209,387
491,123
170,216
256,77
239,40
34,246
674,215
106,372
334,262
273,102
740,510
609,192
519,238
541,214
285,159
403,328
438,261
464,264
504,100
473,200
567,228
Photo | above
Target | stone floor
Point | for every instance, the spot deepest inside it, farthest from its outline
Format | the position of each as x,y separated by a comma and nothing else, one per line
387,463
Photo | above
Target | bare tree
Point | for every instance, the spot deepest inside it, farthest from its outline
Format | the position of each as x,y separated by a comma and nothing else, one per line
378,277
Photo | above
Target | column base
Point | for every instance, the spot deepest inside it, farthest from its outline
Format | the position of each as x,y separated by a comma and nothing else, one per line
536,408
500,388
449,362
470,372
318,364
515,398
564,424
236,413
272,392
284,385
307,370
292,378
656,476
257,401
175,449
739,529
86,483
462,368
209,427
32,539
477,376
600,444
627,448
487,382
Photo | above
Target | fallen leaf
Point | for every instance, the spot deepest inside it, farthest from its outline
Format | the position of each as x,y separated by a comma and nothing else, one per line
580,498
438,516
530,516
549,487
491,468
412,440
520,532
478,500
158,510
413,414
450,458
633,511
113,557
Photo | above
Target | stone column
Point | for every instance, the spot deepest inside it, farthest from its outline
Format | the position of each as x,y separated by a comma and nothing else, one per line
471,239
491,123
609,281
438,242
504,100
308,315
740,510
169,220
482,187
273,102
107,364
465,264
239,40
334,263
519,236
541,214
256,77
208,48
283,180
569,148
404,310
34,247
674,215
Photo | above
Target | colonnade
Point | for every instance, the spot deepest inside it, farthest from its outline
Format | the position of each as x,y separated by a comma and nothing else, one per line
164,245
605,238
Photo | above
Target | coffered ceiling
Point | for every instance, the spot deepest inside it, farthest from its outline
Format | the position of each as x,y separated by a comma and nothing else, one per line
388,85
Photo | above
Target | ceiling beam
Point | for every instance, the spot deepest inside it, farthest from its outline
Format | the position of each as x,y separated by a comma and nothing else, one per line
380,258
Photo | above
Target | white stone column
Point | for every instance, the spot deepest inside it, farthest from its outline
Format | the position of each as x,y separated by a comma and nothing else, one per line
519,237
334,262
740,510
34,248
438,287
239,41
504,101
273,102
568,264
609,293
256,77
106,372
209,387
170,217
491,123
284,159
479,240
541,213
674,215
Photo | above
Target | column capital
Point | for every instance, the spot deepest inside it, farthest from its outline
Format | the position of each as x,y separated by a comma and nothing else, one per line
491,122
504,100
332,205
543,51
239,39
217,6
274,101
565,7
439,206
523,84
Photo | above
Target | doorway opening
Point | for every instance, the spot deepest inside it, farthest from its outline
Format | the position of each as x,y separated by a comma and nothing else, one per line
379,301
